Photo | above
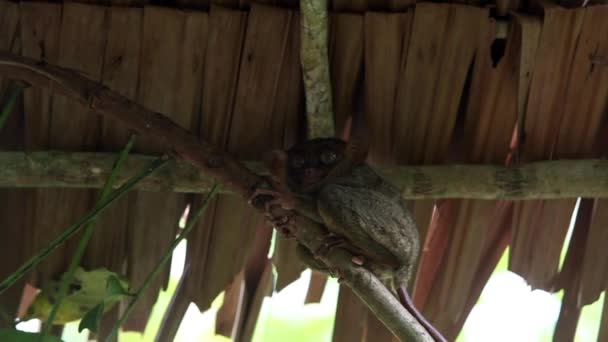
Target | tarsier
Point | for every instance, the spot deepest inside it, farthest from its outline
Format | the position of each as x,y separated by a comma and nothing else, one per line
327,181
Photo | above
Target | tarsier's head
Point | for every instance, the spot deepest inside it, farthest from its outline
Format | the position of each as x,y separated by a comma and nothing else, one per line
309,162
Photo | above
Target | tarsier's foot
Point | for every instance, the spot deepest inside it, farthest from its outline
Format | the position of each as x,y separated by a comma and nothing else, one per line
277,205
282,198
331,241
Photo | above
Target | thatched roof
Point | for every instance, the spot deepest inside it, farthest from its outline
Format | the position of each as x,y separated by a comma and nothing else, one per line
438,87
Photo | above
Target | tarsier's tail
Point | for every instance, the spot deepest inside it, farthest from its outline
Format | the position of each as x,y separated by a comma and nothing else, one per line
406,301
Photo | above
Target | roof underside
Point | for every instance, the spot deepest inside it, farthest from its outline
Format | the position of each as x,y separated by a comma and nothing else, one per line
437,87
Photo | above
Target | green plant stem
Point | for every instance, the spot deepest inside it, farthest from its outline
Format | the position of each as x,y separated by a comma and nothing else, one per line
86,237
163,261
73,229
14,90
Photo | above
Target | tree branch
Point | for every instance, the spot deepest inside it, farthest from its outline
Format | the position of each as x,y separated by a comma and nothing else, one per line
315,67
208,158
538,180
104,102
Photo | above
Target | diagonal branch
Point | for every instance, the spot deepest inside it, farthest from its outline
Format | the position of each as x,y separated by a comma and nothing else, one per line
104,102
223,167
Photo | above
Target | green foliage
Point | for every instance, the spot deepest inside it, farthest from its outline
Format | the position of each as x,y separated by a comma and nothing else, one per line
10,335
86,291
91,319
115,291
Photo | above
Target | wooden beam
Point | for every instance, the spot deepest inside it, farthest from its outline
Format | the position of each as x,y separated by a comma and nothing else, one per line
545,179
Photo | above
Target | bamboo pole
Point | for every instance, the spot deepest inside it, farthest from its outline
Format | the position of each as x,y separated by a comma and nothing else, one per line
538,180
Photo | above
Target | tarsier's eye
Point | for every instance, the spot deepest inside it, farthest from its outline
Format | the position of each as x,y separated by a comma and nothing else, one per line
328,157
297,162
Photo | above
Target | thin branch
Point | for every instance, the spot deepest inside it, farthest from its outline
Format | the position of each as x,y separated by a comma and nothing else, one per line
538,180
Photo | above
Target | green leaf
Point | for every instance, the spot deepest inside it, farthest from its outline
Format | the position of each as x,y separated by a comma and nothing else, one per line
11,335
91,319
115,289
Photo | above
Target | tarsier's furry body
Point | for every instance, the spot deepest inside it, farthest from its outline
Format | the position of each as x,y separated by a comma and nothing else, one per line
361,211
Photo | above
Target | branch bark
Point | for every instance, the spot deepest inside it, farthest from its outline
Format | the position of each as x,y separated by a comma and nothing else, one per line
206,157
315,66
538,180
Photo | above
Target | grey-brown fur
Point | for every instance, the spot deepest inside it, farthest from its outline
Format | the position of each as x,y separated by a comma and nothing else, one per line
361,207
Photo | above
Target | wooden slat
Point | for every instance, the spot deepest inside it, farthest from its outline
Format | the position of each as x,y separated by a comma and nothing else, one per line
569,279
440,47
594,270
603,334
107,247
9,24
286,261
349,6
194,4
586,97
190,86
120,72
228,317
346,58
491,114
256,298
72,126
490,121
316,287
171,70
540,227
258,124
584,110
527,31
40,25
384,36
351,317
439,56
12,210
226,34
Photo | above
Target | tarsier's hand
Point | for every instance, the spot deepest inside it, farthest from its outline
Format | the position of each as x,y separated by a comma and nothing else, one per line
278,205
